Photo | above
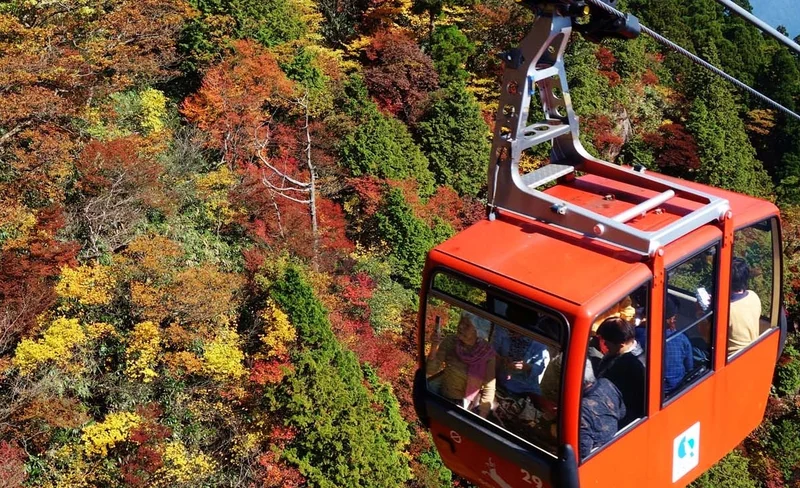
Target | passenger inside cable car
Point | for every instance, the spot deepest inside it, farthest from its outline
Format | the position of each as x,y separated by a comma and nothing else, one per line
688,313
602,410
465,363
522,339
745,311
624,365
521,360
678,353
753,249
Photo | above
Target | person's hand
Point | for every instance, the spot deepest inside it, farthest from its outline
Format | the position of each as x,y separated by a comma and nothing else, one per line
436,338
698,310
518,365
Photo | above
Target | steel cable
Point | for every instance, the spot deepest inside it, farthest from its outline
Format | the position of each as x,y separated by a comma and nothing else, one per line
696,59
760,24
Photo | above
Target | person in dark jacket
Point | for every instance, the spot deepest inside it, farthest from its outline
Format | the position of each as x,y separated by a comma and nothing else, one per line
678,357
602,409
623,364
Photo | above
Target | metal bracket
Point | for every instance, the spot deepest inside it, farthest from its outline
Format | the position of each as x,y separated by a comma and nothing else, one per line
540,69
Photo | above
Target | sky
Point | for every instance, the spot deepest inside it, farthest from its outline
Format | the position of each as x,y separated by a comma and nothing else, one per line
779,12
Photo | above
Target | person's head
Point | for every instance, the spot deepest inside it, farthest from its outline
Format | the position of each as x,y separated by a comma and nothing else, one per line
740,274
615,333
671,312
466,333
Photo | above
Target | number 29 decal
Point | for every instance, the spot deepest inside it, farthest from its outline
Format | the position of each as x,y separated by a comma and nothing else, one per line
531,479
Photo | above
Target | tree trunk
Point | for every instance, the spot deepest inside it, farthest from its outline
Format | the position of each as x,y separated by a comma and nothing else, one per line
312,192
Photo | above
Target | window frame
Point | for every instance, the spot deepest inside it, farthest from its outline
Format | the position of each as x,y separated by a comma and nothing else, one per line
714,314
510,297
777,291
648,284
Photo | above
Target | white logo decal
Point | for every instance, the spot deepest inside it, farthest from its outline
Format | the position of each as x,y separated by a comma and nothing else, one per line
492,472
685,452
455,436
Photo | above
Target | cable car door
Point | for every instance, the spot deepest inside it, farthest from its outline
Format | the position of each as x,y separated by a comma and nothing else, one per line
484,366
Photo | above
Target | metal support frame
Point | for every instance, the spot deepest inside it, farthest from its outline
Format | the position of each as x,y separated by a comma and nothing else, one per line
538,66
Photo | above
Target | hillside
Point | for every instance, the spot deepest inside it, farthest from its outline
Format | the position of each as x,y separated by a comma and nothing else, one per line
214,216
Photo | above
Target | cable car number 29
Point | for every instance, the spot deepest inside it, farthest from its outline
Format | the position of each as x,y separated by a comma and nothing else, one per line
531,479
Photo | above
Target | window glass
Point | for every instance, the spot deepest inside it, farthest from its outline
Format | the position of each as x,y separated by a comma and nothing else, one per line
614,390
755,245
460,289
752,285
688,318
496,358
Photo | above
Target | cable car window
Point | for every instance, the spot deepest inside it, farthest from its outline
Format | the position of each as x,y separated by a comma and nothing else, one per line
459,289
496,358
753,308
688,317
615,377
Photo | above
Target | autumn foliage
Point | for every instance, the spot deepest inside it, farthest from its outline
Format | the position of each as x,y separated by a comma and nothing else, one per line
232,104
214,216
399,75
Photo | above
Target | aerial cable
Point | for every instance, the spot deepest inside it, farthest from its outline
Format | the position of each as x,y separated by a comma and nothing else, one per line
761,24
696,59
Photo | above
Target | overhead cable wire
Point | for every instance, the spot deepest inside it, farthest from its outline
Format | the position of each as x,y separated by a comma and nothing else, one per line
760,24
696,59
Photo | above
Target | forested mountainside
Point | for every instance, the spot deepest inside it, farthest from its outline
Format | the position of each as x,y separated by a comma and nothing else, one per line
214,215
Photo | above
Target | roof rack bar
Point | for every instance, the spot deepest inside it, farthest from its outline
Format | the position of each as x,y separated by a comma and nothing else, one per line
643,207
641,179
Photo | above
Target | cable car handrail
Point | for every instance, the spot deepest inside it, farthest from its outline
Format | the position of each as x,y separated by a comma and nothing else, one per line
538,64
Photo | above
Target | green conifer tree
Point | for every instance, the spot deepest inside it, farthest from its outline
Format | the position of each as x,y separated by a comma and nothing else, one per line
727,158
454,136
408,237
450,49
382,146
347,435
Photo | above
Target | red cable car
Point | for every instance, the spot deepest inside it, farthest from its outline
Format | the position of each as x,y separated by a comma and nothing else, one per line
604,326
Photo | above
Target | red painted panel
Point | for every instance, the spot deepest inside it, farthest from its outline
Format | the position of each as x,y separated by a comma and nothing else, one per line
470,459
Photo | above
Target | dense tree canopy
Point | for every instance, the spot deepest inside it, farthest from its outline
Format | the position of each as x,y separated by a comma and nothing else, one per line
214,216
453,135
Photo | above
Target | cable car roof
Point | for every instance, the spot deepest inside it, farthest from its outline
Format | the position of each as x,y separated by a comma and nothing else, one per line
576,268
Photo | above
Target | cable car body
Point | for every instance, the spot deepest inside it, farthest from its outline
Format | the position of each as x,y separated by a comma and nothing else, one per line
567,245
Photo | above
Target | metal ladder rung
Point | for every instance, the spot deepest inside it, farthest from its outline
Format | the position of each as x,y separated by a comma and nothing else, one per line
542,131
542,74
546,174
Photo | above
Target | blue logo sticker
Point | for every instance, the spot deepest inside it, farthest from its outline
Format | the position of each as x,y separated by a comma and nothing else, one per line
685,451
682,449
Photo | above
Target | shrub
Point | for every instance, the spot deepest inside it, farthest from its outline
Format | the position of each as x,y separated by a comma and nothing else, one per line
787,375
56,346
784,444
12,465
730,472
